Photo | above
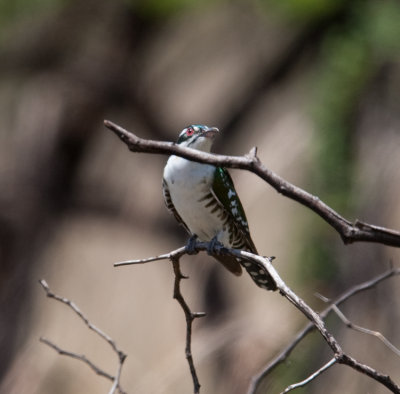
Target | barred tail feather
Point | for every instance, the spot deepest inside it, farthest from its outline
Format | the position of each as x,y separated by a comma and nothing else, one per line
259,275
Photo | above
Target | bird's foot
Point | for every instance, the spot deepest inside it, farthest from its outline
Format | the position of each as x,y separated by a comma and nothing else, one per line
213,245
190,246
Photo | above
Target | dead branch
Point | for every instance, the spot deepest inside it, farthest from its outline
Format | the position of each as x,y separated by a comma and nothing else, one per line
121,356
316,319
77,356
349,232
190,316
364,330
311,377
281,357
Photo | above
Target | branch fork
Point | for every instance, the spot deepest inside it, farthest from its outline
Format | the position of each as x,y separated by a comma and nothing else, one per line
316,320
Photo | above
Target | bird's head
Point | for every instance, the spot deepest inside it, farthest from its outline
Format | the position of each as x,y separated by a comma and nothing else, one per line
198,136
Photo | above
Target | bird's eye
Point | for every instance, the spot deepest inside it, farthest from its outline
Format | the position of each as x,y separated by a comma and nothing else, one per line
189,131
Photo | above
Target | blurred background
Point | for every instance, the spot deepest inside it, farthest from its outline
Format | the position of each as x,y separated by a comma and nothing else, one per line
314,84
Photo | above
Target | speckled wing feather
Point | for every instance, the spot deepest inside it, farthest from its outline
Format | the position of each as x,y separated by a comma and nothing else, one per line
224,191
235,219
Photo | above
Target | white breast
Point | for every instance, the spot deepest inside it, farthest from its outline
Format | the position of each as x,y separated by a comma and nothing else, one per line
188,182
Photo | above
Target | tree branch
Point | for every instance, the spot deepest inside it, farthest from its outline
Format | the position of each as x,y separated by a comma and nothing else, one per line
364,330
121,356
310,326
190,316
316,319
349,232
311,377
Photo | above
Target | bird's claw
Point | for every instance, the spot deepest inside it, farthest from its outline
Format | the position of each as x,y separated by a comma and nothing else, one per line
212,246
190,246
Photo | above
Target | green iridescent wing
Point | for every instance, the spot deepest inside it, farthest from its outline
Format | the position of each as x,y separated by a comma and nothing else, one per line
236,221
224,191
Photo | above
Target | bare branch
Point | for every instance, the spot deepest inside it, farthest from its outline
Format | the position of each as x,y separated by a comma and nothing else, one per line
121,356
310,326
189,316
364,330
311,377
175,254
315,318
77,356
349,232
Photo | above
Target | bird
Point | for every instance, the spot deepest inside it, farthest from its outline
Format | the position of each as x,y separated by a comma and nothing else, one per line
203,199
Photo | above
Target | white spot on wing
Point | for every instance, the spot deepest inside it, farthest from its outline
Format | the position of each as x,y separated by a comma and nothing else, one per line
253,273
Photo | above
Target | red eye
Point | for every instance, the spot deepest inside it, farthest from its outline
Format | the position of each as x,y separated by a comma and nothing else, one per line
189,131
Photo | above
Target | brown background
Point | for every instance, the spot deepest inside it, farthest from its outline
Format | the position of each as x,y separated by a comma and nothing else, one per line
73,199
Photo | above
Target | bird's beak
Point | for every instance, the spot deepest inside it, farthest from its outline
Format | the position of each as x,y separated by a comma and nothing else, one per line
211,132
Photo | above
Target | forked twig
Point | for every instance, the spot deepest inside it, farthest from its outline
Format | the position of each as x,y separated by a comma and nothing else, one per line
121,356
316,319
364,330
190,317
285,353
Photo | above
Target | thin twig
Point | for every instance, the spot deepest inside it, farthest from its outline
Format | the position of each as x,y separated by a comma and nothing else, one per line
349,232
284,354
189,316
121,356
166,256
315,318
364,330
311,377
77,356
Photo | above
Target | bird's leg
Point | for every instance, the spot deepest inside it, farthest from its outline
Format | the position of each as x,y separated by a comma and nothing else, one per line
211,249
190,246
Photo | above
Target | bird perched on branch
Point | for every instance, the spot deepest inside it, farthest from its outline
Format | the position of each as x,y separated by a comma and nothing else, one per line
203,199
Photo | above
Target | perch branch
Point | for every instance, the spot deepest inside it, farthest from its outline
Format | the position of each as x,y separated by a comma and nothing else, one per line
349,232
121,356
315,319
190,316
